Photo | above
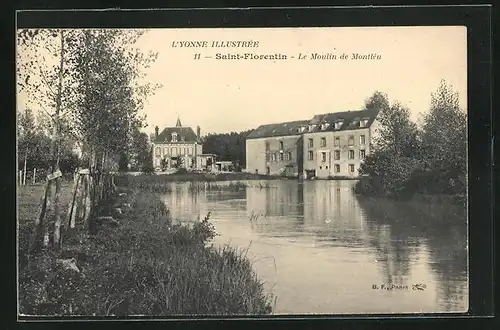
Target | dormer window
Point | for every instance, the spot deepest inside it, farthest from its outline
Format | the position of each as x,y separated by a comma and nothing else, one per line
363,122
311,128
302,129
338,124
174,137
324,126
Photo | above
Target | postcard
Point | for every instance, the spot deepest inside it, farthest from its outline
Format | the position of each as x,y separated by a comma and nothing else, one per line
242,171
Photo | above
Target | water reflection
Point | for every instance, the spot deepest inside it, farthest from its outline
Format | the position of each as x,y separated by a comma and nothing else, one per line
346,243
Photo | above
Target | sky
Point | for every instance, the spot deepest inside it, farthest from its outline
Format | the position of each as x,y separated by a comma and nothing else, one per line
235,95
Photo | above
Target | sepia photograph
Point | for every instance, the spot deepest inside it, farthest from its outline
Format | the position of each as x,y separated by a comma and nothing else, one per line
242,171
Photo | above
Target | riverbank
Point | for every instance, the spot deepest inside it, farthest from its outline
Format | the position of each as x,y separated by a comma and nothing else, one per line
370,187
142,264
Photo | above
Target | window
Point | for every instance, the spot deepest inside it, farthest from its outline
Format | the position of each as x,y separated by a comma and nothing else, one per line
158,151
268,156
281,157
310,155
336,143
351,140
281,145
351,168
165,151
190,150
174,137
274,157
361,139
311,143
324,126
173,151
289,156
338,124
351,154
326,167
183,151
336,155
323,156
362,154
337,168
323,142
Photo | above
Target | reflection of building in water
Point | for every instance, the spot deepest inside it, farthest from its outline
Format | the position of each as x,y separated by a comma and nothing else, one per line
278,206
333,203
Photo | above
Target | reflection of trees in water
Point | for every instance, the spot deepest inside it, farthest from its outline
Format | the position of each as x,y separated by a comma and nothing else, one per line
397,228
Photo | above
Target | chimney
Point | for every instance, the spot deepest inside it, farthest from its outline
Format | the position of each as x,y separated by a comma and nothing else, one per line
198,131
156,131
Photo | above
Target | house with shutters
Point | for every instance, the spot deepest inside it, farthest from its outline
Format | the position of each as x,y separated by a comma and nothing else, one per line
328,145
180,147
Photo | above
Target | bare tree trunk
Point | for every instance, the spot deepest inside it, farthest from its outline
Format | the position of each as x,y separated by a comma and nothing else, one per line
57,210
34,176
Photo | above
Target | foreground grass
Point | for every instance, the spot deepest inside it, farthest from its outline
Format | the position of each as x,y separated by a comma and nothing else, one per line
145,265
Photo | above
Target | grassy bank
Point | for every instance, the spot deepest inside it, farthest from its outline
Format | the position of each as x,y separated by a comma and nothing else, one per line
142,265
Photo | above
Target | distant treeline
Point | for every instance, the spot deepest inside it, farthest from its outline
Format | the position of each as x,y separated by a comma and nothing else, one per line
428,158
228,146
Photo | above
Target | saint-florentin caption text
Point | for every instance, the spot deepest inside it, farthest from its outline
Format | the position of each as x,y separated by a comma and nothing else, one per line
240,50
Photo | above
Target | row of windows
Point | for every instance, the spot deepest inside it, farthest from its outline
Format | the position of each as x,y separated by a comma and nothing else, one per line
336,141
279,157
336,155
172,151
336,168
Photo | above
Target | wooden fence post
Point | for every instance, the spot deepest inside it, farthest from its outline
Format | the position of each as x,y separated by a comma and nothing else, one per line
57,215
20,177
34,176
24,170
39,219
88,201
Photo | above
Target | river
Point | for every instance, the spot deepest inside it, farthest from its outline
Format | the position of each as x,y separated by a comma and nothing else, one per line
320,249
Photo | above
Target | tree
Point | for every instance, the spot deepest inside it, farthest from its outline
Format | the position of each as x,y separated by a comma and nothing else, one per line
395,152
90,80
378,100
444,137
228,146
140,149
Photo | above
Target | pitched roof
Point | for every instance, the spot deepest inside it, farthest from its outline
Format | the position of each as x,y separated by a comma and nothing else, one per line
350,120
185,133
280,129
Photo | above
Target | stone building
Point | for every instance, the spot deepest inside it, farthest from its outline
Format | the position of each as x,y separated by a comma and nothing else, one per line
177,147
276,149
328,145
335,144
